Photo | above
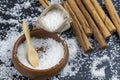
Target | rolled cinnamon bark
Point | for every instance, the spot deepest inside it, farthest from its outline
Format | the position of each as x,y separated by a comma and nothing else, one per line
80,17
47,2
97,34
44,4
97,18
103,16
113,15
77,27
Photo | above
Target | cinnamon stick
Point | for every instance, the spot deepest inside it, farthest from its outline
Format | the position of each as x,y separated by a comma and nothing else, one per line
43,3
96,33
80,17
113,14
103,16
80,34
97,18
47,2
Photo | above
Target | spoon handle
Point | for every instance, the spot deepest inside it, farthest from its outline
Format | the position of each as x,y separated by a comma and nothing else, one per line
27,33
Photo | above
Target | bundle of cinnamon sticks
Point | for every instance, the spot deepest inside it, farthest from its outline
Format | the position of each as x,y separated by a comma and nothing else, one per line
90,19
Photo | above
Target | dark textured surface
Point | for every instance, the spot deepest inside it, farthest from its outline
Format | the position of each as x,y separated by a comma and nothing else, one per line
84,70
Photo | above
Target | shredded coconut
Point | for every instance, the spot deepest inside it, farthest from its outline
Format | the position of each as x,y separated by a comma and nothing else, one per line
52,54
52,20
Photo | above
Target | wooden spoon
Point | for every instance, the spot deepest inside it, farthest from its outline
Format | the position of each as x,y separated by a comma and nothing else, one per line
33,57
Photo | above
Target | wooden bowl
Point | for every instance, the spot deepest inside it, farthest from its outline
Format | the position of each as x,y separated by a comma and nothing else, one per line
40,74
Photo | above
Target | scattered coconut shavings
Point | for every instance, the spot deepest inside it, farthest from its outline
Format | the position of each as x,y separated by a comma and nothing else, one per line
9,21
6,69
27,4
95,71
114,78
73,49
98,65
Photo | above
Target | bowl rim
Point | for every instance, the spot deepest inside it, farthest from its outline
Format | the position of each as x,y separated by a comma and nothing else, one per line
14,53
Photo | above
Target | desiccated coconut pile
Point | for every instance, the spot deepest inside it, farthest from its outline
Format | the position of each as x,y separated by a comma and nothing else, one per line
48,57
99,65
53,19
